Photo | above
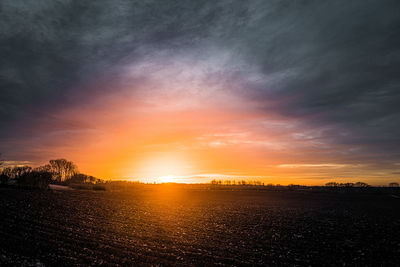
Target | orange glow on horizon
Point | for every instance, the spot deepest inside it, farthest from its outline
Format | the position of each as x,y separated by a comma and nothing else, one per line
194,138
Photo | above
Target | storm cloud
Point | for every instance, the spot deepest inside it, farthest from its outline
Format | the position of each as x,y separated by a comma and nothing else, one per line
330,69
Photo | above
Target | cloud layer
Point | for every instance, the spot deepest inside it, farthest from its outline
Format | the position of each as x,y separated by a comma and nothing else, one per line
315,82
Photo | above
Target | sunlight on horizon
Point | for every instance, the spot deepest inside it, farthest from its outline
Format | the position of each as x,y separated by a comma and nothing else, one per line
164,168
167,179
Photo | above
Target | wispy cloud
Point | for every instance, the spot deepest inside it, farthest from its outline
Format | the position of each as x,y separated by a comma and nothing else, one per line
255,83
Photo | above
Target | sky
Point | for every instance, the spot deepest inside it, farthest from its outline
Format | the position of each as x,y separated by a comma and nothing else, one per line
302,92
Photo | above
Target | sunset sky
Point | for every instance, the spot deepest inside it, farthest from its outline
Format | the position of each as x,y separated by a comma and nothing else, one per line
301,92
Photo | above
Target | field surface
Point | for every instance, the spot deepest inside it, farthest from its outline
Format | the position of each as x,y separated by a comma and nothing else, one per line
169,226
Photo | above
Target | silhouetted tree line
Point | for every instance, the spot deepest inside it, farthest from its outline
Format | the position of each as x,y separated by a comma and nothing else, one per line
234,182
58,171
290,186
25,176
357,184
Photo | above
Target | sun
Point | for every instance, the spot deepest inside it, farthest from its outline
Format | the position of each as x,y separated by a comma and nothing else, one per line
164,169
166,179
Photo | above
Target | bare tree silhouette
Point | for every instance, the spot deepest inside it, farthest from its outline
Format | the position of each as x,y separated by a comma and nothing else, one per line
62,169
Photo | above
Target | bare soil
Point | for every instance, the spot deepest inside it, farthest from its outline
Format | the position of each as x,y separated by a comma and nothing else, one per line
198,227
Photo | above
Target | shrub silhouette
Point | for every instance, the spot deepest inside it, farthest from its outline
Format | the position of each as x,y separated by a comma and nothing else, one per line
80,178
4,179
35,179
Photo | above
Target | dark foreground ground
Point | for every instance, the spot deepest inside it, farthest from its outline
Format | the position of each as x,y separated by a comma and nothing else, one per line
188,227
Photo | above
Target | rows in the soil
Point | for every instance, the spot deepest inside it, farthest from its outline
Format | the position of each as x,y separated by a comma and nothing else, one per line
64,228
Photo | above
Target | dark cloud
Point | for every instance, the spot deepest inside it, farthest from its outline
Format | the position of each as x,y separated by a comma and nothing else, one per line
331,65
